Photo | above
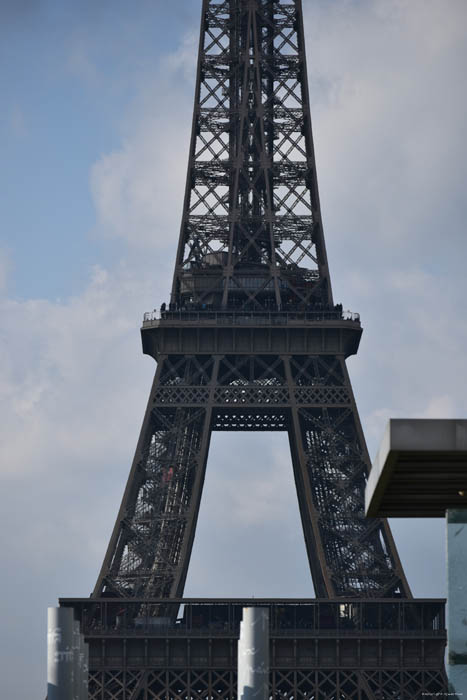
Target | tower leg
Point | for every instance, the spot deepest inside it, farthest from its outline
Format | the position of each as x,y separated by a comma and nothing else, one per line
348,554
150,548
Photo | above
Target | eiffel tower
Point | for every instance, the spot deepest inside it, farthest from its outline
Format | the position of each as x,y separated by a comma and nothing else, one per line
252,340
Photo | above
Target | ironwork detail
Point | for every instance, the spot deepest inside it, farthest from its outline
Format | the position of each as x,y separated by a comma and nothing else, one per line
210,684
345,648
308,396
251,232
252,340
251,240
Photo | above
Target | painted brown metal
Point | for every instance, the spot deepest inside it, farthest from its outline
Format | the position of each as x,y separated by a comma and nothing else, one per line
251,340
251,231
320,648
310,396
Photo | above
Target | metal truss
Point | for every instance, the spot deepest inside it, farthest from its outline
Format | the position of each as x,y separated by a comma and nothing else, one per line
251,340
341,649
311,398
285,684
251,233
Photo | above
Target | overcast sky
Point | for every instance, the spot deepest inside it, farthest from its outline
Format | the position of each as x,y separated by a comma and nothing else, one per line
94,129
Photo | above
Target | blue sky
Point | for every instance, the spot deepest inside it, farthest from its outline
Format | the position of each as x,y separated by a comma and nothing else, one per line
94,136
68,76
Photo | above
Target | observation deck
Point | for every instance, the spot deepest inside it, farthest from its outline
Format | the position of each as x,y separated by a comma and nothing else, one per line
327,331
306,634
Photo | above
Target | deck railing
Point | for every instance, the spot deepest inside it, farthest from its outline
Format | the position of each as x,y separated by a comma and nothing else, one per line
247,317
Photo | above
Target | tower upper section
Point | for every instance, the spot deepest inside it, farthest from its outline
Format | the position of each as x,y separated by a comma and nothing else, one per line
251,234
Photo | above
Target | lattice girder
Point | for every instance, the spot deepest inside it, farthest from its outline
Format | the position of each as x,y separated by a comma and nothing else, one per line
311,398
251,230
251,341
310,684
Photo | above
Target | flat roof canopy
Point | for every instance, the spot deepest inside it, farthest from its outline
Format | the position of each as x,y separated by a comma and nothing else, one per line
420,470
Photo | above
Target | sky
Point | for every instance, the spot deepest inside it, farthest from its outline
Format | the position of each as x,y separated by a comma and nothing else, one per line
94,132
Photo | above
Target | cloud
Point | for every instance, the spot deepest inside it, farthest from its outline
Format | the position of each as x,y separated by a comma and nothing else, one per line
57,390
5,268
440,407
388,122
138,189
249,537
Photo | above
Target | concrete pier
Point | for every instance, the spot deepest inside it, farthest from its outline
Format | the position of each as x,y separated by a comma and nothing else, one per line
253,655
456,527
60,656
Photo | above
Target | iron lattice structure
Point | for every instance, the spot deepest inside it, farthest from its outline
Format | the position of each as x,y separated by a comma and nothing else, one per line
251,340
344,649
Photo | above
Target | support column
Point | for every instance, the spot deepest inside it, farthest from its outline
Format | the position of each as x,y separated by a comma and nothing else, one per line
253,655
84,653
456,526
60,654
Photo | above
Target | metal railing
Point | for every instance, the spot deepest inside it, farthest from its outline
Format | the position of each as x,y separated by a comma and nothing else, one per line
233,631
248,317
424,618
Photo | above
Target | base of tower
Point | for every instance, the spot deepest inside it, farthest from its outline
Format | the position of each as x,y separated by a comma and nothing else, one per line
358,649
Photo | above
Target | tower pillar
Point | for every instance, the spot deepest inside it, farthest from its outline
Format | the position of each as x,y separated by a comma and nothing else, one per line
253,655
60,656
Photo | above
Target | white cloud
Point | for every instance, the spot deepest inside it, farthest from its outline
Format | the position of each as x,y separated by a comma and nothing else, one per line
388,122
440,407
5,268
62,371
251,494
138,189
249,521
184,58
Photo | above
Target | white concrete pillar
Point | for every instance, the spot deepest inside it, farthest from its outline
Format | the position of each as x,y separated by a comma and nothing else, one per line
60,654
457,600
253,655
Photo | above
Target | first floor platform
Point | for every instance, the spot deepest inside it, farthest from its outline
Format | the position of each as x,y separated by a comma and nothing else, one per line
320,649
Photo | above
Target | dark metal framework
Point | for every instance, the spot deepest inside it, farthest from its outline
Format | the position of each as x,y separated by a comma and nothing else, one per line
308,395
251,231
320,649
251,265
251,340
